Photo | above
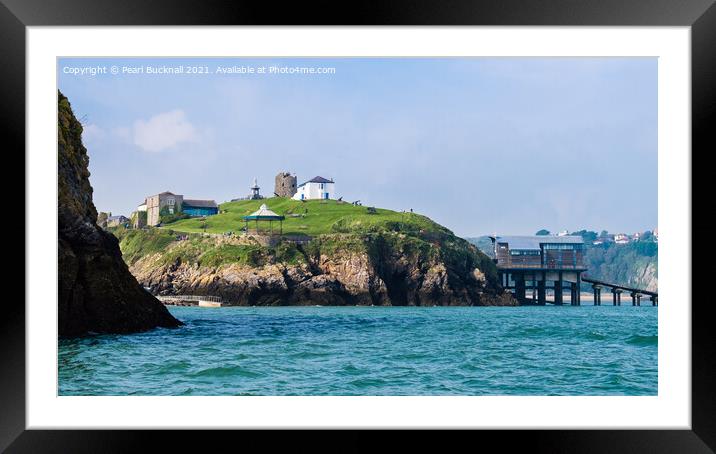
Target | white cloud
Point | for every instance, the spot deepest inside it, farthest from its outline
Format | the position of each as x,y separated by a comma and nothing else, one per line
92,133
164,131
123,133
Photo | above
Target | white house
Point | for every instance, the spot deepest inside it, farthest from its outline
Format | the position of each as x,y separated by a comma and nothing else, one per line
316,188
621,238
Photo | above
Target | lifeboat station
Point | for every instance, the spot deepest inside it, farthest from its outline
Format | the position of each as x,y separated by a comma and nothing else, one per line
530,265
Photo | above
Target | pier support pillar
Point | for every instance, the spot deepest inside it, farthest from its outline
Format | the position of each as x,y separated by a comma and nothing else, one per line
597,295
520,288
542,291
579,289
575,294
617,297
558,292
633,299
638,299
653,300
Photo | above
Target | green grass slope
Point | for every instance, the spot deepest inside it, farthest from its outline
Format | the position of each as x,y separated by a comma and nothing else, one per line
312,217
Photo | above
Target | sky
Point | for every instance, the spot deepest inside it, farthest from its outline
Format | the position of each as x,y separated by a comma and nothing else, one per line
479,145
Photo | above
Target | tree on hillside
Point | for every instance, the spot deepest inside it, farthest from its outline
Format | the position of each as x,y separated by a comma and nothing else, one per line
167,217
587,235
542,232
645,248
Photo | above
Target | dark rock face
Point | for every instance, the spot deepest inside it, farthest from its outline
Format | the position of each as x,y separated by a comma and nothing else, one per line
97,293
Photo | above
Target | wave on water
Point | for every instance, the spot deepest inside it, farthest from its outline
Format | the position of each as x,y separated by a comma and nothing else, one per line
595,335
367,382
643,340
546,331
308,355
172,367
225,371
349,369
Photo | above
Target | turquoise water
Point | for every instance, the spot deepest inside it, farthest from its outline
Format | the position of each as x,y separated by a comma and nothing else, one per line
548,350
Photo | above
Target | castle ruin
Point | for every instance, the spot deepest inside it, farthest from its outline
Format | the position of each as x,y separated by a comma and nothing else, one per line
285,185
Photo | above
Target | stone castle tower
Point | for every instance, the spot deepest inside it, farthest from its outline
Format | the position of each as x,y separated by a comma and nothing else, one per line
285,184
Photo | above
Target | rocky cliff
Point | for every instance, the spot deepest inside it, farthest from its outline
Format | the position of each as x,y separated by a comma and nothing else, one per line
634,264
645,276
380,268
97,293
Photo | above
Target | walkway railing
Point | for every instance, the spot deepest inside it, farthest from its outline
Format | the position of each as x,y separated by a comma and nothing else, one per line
538,267
213,299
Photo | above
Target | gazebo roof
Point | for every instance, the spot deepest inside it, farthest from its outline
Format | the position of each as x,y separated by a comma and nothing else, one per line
264,214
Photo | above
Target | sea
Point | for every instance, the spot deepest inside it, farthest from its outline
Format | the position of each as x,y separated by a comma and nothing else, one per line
348,351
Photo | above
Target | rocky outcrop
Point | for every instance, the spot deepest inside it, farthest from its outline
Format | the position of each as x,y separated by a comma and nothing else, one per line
381,272
645,276
97,293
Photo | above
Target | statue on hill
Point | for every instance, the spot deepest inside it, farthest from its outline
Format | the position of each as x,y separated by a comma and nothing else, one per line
255,195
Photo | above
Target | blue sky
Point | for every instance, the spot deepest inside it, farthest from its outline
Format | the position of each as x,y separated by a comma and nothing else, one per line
480,145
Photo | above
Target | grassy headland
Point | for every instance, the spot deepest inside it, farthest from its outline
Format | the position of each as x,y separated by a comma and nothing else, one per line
356,255
312,217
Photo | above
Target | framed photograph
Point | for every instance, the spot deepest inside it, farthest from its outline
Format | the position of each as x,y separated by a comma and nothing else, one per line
410,217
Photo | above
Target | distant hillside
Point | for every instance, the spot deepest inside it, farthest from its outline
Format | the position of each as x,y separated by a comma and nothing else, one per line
484,244
634,264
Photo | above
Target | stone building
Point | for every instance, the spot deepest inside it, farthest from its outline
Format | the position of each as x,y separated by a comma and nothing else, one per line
139,216
285,185
150,212
156,203
115,221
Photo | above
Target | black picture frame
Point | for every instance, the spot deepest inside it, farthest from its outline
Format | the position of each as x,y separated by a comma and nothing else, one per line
700,15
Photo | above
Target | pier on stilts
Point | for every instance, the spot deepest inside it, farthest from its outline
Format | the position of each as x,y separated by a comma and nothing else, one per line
529,266
617,290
